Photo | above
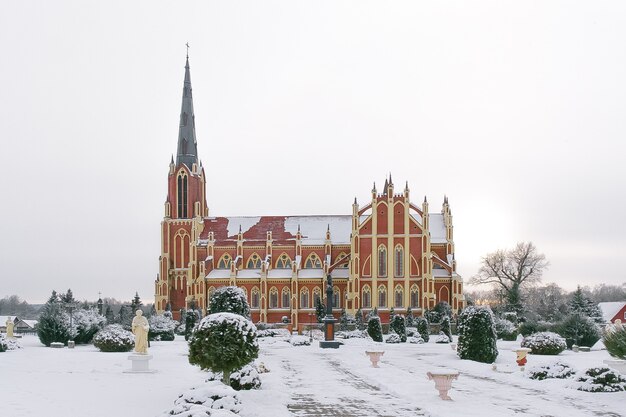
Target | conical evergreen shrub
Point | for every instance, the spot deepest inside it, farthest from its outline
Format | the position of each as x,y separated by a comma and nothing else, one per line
399,327
477,335
423,328
374,329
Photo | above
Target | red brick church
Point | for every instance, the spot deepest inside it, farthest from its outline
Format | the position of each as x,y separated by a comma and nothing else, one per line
387,253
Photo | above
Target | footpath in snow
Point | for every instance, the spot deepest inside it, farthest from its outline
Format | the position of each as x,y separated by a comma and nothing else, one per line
303,381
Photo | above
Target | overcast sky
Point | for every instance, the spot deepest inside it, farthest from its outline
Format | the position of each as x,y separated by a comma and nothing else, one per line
514,109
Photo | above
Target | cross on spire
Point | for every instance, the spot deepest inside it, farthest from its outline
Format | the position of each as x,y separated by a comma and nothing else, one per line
187,45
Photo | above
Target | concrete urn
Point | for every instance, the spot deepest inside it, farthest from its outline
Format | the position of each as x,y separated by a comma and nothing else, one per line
443,382
375,357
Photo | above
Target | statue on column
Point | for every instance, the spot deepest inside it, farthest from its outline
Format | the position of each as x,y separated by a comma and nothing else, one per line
10,325
140,329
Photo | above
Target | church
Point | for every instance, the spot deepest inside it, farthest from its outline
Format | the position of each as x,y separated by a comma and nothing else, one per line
387,253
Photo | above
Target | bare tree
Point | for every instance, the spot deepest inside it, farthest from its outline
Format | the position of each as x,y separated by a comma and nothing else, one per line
511,270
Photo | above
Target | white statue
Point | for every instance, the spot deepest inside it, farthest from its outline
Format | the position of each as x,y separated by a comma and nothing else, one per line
140,330
10,325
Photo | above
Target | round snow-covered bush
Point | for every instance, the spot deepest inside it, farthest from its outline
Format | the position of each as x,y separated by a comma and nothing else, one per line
601,380
3,343
477,335
442,338
423,327
417,339
374,329
273,333
393,338
246,378
398,326
229,300
300,340
615,341
412,331
114,338
556,370
209,399
544,343
506,330
353,334
85,324
162,327
223,342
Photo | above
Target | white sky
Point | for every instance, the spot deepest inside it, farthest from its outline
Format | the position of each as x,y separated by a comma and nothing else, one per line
515,110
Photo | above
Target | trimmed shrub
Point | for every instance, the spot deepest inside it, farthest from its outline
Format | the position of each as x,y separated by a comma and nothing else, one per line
578,329
162,327
246,378
477,335
3,343
191,318
206,400
601,380
229,300
300,341
353,334
393,338
85,325
444,309
273,333
358,320
374,329
397,325
114,338
423,328
415,339
556,370
54,324
445,327
615,341
506,330
529,327
544,343
223,342
442,338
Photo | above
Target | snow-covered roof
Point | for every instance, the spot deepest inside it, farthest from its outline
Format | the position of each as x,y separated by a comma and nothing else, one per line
279,273
440,273
311,273
283,228
249,273
340,273
219,273
610,309
31,323
437,228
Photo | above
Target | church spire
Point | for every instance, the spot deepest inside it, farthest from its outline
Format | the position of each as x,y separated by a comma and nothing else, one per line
187,152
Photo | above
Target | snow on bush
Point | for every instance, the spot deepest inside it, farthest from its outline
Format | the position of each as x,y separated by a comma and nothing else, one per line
445,328
411,331
393,338
246,378
273,333
417,339
223,342
442,338
162,327
85,324
300,341
578,329
601,380
556,370
544,343
615,341
114,338
209,399
477,335
374,329
8,343
423,327
397,325
353,334
229,300
506,330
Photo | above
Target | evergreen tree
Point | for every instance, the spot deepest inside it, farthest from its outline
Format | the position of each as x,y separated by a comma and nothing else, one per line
372,313
109,314
320,310
444,309
477,335
392,313
136,303
53,325
578,329
359,320
229,299
343,320
53,298
423,328
583,305
125,316
68,297
398,326
445,327
374,329
191,318
410,319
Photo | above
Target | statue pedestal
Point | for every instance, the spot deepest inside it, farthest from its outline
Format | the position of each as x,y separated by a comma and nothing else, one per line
141,364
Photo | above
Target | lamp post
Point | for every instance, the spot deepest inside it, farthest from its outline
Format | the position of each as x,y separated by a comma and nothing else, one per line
329,321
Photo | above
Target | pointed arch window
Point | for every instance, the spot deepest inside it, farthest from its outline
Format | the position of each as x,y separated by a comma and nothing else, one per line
182,194
254,261
254,298
211,291
317,296
336,297
382,261
415,296
283,262
367,297
313,261
304,298
273,297
286,296
224,262
399,261
382,296
398,296
340,257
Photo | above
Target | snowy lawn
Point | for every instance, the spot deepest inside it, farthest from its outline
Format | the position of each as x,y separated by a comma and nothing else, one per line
303,381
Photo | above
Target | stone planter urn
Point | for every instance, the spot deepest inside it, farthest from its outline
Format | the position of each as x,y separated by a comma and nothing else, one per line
521,357
453,346
375,357
443,382
618,364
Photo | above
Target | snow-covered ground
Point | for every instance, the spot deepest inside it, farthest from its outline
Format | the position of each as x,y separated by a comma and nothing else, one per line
303,381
